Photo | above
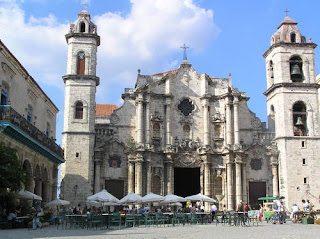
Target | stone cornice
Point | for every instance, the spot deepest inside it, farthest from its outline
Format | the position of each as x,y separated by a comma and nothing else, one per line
291,85
87,35
311,45
81,77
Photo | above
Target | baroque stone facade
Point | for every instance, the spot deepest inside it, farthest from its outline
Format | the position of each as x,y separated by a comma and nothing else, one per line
177,132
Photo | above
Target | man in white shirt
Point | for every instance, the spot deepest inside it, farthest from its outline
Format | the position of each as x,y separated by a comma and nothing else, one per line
213,211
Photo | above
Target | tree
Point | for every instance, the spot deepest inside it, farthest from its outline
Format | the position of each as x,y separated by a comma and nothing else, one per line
12,175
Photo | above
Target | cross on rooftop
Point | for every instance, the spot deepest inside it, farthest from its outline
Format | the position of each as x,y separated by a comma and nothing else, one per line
286,11
184,47
85,3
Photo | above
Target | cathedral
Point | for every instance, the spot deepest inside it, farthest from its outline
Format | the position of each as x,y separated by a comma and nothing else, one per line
184,132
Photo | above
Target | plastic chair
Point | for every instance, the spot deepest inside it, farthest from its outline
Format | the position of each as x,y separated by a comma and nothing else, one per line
130,220
114,219
94,219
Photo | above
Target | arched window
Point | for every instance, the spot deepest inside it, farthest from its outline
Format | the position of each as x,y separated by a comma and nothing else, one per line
79,110
4,94
271,118
156,131
29,113
82,27
81,63
271,69
48,130
186,131
293,37
218,186
299,119
296,73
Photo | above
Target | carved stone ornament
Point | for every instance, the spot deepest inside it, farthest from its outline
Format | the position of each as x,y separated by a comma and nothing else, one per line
256,122
114,119
256,164
156,117
187,160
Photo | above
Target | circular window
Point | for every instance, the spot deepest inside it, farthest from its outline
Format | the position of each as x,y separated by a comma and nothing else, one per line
186,107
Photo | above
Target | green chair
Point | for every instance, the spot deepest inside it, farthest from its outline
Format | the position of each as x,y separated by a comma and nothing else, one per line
94,220
178,218
160,219
130,219
114,219
149,219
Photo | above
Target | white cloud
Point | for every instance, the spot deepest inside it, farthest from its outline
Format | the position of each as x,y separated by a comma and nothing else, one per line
146,38
148,35
38,43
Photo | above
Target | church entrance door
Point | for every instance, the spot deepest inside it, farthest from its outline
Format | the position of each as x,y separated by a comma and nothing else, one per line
256,190
186,181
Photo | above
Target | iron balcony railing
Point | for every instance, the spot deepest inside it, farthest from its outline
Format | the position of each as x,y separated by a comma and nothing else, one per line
8,114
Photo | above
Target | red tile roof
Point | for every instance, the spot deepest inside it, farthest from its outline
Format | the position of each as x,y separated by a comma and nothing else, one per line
104,109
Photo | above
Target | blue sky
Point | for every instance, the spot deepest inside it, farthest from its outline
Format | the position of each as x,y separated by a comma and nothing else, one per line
224,37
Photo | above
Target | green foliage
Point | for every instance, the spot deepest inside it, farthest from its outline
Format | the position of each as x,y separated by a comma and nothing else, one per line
12,175
131,145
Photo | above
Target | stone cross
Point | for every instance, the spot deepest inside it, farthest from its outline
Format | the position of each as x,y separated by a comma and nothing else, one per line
184,47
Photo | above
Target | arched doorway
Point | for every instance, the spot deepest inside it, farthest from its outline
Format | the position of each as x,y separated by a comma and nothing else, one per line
29,185
186,181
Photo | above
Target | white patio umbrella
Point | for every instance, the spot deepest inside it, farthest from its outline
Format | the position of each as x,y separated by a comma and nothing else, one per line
131,198
57,202
94,203
200,197
171,198
177,204
29,195
151,197
104,197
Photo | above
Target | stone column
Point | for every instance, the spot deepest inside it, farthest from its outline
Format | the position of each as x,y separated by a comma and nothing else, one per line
149,176
236,121
139,114
238,179
38,187
244,183
206,132
275,178
168,122
54,191
97,176
169,172
138,175
207,183
147,120
131,176
230,205
228,122
201,179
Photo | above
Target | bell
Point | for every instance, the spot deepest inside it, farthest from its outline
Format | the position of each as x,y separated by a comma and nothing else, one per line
299,122
296,72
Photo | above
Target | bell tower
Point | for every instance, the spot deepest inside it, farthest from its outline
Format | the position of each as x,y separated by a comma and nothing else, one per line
79,109
293,111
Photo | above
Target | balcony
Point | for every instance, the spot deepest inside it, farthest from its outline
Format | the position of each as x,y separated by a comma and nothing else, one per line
11,119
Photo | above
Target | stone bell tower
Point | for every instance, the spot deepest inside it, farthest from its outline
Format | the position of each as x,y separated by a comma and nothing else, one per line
79,109
293,111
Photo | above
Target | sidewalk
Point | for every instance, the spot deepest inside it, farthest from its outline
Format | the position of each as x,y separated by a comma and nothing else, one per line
263,231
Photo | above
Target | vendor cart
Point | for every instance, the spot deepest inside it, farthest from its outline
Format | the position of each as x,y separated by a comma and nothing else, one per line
267,202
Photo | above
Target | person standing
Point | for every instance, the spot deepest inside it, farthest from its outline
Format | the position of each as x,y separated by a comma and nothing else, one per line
277,209
213,211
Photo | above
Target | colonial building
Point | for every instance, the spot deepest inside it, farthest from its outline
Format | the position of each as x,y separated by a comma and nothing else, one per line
185,132
28,124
